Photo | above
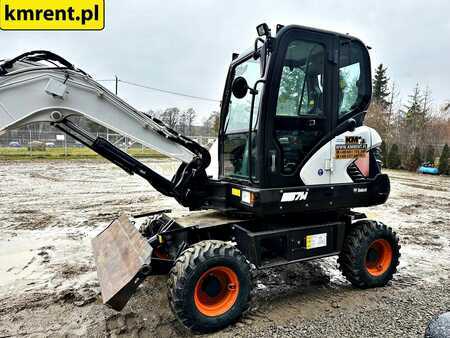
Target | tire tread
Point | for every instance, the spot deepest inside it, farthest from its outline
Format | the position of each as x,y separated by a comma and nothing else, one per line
351,260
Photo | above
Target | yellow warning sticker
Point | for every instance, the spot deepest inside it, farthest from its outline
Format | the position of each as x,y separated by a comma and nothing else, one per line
235,192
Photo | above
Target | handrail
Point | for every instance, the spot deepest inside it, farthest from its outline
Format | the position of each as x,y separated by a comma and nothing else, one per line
254,92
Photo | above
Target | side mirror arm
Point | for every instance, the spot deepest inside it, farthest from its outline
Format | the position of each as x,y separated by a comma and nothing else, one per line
255,51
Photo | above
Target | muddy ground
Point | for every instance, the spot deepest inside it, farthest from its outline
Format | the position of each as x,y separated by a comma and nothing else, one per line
50,210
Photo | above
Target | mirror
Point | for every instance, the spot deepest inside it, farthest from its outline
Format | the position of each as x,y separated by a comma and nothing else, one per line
239,87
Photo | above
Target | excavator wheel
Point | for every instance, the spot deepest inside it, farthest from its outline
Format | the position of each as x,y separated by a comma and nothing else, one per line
209,286
370,255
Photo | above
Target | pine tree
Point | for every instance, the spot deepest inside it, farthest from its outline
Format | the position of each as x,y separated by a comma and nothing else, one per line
414,119
414,108
443,161
394,157
429,154
380,91
416,160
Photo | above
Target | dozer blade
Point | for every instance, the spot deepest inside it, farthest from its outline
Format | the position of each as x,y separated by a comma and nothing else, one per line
121,255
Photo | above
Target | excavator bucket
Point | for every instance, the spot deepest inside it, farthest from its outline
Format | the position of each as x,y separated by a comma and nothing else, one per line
122,257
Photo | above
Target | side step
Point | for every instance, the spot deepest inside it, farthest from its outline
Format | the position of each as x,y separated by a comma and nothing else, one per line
123,258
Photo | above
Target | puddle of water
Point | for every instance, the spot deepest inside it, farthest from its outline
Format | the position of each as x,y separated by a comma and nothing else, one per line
32,260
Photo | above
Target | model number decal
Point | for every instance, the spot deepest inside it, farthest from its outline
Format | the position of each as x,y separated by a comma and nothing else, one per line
294,196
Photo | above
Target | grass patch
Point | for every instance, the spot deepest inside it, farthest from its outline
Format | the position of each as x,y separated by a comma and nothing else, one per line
72,153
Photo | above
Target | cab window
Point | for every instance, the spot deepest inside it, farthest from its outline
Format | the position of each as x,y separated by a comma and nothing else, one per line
353,87
301,85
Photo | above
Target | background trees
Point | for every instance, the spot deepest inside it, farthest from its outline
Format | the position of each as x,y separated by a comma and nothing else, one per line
413,132
211,124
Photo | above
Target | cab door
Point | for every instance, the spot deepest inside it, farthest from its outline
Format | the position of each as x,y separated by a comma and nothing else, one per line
300,108
349,149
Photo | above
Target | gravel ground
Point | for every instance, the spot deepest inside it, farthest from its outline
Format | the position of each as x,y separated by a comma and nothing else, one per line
50,210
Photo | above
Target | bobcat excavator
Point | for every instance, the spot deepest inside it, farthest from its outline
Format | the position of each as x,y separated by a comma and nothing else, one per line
292,158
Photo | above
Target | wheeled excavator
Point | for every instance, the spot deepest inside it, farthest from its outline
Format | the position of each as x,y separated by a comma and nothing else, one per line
291,161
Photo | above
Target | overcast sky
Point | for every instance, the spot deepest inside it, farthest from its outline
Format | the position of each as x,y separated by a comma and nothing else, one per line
186,46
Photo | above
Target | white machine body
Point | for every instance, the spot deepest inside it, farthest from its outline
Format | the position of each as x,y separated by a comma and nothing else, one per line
328,166
49,94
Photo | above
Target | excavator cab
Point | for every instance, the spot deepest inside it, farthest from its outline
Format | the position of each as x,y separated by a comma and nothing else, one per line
288,109
311,82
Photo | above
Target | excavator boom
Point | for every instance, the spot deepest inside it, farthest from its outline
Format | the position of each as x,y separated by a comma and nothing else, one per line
32,91
57,91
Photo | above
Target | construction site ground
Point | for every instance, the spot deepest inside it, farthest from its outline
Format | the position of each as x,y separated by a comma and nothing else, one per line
50,211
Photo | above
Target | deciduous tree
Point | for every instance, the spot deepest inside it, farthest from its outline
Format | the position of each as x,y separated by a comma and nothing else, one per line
171,117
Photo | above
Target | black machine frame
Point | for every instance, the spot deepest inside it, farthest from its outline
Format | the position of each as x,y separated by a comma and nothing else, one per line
266,243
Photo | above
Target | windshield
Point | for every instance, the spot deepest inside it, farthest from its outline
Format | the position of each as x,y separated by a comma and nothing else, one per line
239,109
236,128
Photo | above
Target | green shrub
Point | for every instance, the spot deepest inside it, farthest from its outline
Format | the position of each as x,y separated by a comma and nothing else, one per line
443,161
394,157
429,154
415,160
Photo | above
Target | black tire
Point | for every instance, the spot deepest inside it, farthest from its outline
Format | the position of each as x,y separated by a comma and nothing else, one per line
370,254
201,265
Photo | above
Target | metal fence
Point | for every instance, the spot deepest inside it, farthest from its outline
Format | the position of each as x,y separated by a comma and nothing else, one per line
56,139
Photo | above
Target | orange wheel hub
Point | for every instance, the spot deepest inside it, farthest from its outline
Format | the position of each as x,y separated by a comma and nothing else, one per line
216,291
379,257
